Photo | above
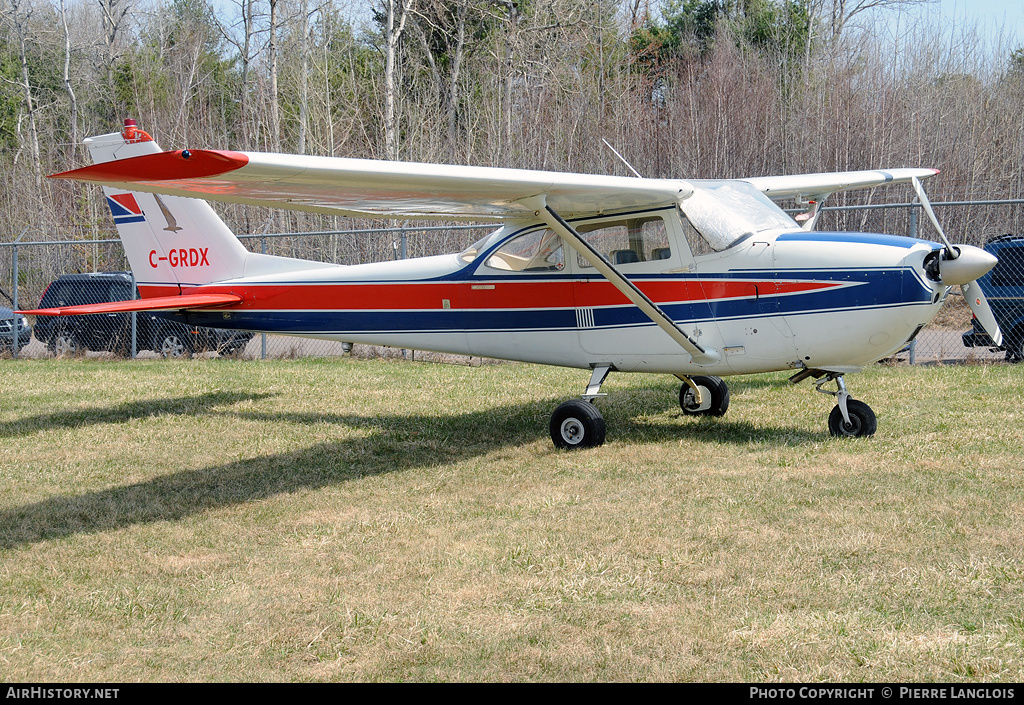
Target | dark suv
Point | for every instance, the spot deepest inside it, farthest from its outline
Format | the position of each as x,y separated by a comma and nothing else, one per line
1003,286
113,331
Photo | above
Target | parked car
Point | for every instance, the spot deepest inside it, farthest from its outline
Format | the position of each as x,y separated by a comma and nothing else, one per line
113,331
1003,286
8,322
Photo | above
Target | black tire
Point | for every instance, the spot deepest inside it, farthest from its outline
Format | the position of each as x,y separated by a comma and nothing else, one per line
577,424
862,420
1014,345
715,393
172,345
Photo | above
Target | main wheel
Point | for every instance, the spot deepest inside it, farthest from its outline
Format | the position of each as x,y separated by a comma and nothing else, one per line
1014,344
171,344
714,397
577,424
862,420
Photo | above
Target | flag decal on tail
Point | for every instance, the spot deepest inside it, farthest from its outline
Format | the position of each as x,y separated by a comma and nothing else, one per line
125,209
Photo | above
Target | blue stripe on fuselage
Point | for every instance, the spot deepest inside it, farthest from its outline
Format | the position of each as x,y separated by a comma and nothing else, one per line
865,289
860,238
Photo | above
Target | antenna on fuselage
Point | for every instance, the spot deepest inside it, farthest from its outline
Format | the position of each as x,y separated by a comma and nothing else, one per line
621,158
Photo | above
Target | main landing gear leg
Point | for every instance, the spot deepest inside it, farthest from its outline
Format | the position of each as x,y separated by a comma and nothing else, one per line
577,423
850,418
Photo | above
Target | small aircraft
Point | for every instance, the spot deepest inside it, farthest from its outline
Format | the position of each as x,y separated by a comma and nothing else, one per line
700,279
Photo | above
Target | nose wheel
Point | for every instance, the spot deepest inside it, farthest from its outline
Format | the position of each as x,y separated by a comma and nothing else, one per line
850,418
859,421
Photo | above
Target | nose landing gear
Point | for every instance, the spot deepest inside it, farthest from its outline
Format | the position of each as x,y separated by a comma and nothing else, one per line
850,418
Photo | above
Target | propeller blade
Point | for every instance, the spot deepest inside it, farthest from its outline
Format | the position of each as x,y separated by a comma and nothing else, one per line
927,205
982,311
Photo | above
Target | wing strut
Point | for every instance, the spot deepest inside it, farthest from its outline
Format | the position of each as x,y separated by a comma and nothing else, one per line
700,355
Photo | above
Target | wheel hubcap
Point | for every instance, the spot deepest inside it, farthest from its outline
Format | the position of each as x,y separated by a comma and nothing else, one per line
572,431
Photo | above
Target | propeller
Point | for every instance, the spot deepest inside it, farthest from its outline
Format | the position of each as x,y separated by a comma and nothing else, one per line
962,265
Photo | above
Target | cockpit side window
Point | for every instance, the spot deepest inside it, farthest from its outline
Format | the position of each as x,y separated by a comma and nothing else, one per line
698,243
535,251
627,241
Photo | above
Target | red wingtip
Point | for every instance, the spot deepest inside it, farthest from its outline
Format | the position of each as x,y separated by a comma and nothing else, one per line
165,166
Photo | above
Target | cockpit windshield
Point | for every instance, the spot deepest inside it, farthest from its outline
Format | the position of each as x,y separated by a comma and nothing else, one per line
729,211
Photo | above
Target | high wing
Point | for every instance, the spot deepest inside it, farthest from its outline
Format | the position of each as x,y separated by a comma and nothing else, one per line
382,189
822,185
378,189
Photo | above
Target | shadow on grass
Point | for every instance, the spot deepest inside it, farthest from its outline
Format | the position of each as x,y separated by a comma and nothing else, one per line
395,443
78,418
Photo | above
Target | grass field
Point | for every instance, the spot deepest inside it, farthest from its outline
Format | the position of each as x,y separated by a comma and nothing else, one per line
376,520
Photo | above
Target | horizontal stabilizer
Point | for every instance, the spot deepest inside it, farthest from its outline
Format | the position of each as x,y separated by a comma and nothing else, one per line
159,303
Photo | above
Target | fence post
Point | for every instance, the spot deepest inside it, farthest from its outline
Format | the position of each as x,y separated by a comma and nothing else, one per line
15,321
135,320
263,336
405,255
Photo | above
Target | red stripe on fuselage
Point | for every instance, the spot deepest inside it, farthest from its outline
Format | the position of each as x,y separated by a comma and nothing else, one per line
399,296
152,291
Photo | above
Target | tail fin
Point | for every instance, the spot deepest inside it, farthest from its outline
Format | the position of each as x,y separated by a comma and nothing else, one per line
172,243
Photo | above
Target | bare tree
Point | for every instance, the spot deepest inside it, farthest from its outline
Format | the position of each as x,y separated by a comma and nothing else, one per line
72,98
114,13
19,15
242,35
275,97
397,15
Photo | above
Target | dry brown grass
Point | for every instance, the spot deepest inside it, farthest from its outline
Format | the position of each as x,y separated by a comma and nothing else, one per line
955,314
379,520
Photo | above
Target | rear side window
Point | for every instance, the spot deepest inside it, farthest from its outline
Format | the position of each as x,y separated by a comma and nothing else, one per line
76,293
1010,270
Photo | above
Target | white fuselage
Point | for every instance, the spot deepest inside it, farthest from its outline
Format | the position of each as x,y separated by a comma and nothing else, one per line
773,300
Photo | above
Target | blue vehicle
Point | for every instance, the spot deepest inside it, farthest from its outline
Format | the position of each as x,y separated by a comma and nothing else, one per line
9,321
1003,286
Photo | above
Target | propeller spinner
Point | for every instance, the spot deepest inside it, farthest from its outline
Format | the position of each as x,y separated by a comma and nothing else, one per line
962,265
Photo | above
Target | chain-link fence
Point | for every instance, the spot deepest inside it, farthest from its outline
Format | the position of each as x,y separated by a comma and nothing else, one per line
47,274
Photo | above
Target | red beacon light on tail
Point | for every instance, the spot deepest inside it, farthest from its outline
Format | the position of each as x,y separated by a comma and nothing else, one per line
132,134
